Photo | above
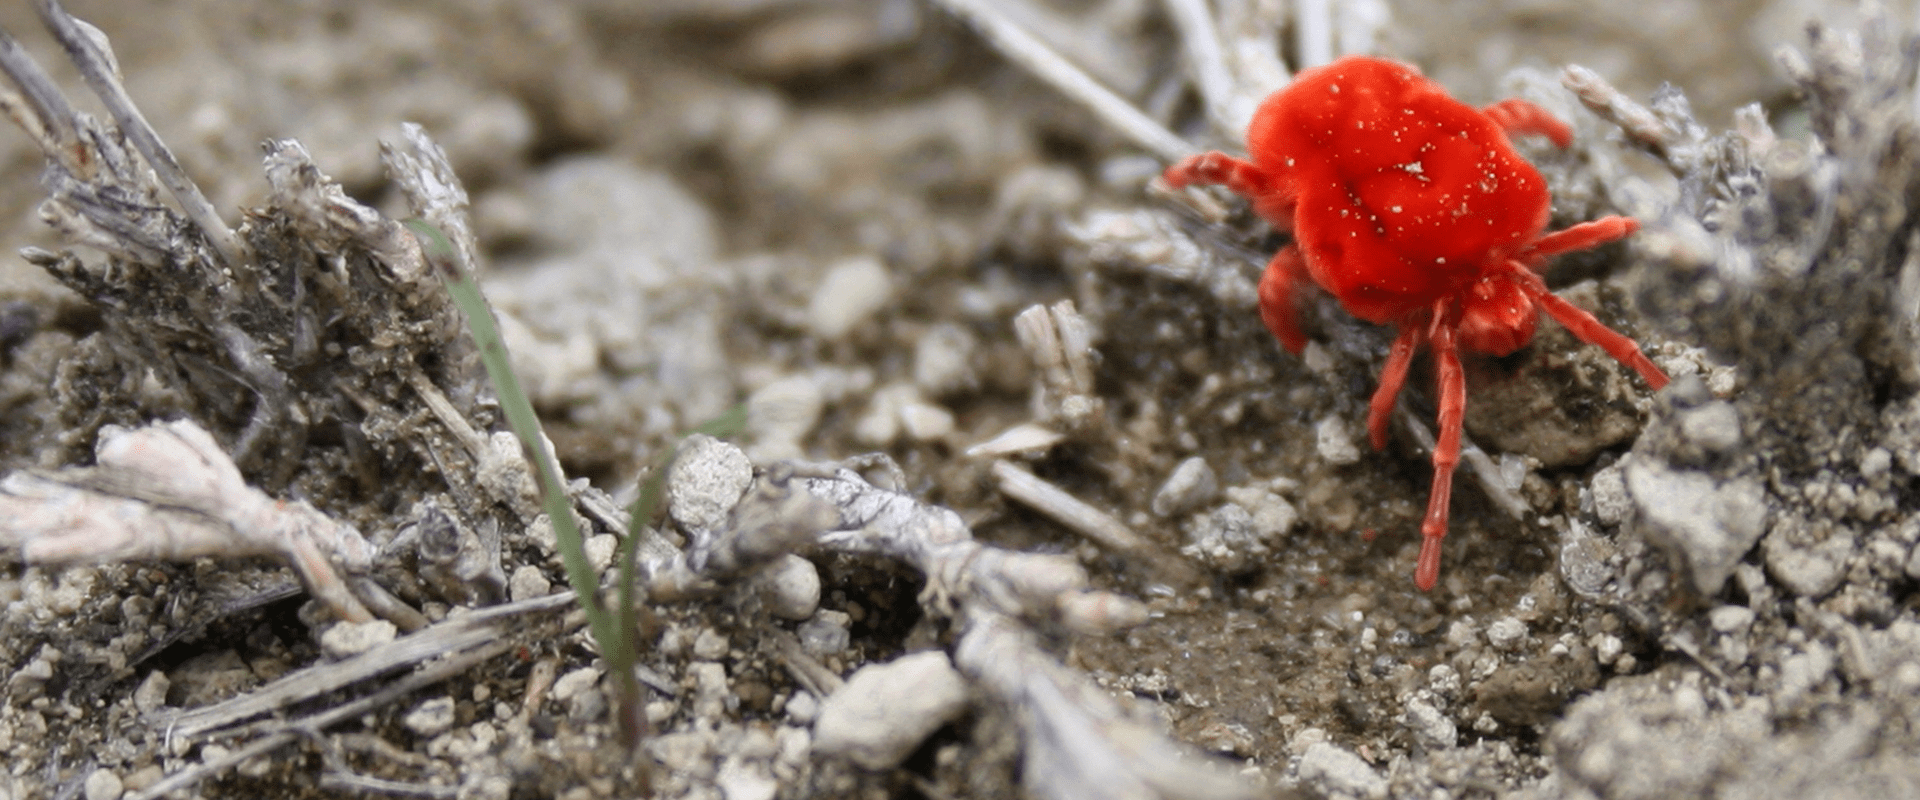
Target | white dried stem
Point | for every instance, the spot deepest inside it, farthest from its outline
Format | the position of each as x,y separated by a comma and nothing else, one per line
167,491
1088,40
1027,437
433,192
1479,465
770,521
1250,30
1313,20
1081,517
1079,743
1669,139
1060,342
961,572
1150,242
39,108
1048,65
456,424
86,48
1228,105
289,731
453,636
812,675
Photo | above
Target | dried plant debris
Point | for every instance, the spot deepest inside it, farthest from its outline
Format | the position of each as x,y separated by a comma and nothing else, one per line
167,492
313,340
313,334
1079,742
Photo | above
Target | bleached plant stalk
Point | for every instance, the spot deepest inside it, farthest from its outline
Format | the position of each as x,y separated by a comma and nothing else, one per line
1000,600
1079,743
1229,107
1047,64
168,492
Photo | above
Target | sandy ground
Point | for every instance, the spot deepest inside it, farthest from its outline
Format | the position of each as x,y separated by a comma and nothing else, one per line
834,211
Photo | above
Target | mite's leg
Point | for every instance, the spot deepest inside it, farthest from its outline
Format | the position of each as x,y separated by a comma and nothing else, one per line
1514,115
1215,167
1392,377
1451,383
1581,237
1583,325
1280,289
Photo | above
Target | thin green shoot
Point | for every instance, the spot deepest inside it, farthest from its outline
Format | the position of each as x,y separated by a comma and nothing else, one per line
640,514
615,639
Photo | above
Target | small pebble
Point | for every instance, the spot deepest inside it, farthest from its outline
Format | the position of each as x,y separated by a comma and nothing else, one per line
572,683
351,639
739,780
1714,427
152,692
852,291
1507,633
790,587
103,784
1730,619
431,718
1335,444
802,708
528,582
1808,570
926,422
600,550
1272,514
711,695
1190,486
943,358
1607,647
1336,770
1611,503
706,480
825,634
709,645
140,778
782,413
1431,728
1711,525
879,425
886,710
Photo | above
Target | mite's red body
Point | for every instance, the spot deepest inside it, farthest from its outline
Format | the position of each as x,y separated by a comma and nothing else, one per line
1414,210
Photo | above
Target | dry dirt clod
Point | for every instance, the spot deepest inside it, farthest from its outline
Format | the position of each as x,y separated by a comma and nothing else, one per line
885,710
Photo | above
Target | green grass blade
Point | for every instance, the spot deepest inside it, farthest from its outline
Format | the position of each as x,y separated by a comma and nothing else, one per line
615,639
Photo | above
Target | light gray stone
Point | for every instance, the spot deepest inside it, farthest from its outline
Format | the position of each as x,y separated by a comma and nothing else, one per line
1333,769
886,710
849,294
431,718
528,582
790,587
351,639
705,482
1711,525
1191,485
1334,442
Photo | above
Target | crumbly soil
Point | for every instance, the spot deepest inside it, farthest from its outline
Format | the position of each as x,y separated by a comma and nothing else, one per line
682,205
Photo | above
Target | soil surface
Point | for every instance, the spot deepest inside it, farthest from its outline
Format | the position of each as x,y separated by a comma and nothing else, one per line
834,211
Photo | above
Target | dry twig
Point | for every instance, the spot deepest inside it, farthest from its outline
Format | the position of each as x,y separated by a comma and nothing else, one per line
167,492
1048,65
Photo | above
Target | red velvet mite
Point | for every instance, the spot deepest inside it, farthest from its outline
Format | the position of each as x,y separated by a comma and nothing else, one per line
1414,210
